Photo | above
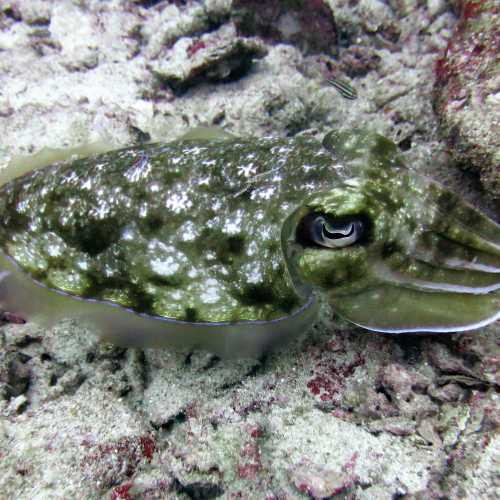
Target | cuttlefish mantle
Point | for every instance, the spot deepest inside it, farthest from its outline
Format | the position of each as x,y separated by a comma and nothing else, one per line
225,243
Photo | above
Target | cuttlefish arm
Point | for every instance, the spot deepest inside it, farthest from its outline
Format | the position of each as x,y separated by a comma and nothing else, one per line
417,259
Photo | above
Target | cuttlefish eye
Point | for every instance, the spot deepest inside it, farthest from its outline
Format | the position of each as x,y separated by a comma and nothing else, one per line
331,232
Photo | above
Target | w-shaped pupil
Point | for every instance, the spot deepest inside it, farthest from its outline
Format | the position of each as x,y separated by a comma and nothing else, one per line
337,233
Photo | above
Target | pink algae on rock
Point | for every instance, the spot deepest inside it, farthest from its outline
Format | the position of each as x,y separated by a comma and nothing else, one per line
329,377
250,463
122,492
318,481
466,84
111,463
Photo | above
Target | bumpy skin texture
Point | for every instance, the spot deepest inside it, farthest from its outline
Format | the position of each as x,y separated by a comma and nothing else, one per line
209,231
189,230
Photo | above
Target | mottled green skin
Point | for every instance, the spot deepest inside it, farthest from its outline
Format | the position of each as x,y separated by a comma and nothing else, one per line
205,231
188,230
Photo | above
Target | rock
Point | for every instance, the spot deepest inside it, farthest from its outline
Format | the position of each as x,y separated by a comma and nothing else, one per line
172,20
8,317
309,24
36,12
357,60
445,361
452,421
491,417
17,405
112,462
428,433
405,390
199,489
15,374
153,489
377,18
214,57
319,482
400,383
372,404
448,393
436,7
398,426
403,7
77,35
481,349
250,464
467,92
330,376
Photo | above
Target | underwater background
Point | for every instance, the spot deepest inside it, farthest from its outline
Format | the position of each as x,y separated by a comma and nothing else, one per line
339,412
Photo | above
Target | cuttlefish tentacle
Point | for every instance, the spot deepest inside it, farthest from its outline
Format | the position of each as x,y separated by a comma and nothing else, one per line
460,221
422,276
434,248
453,227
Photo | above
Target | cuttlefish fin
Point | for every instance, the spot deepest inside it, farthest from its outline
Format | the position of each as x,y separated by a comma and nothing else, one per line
205,133
22,164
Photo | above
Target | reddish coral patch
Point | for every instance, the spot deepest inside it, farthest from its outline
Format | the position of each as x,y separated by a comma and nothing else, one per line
251,464
195,47
331,379
471,9
442,70
148,446
122,492
256,431
111,463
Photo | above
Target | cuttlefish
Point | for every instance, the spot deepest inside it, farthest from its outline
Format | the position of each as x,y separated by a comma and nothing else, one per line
230,244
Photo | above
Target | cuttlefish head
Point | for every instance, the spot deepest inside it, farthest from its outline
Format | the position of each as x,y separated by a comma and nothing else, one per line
393,251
